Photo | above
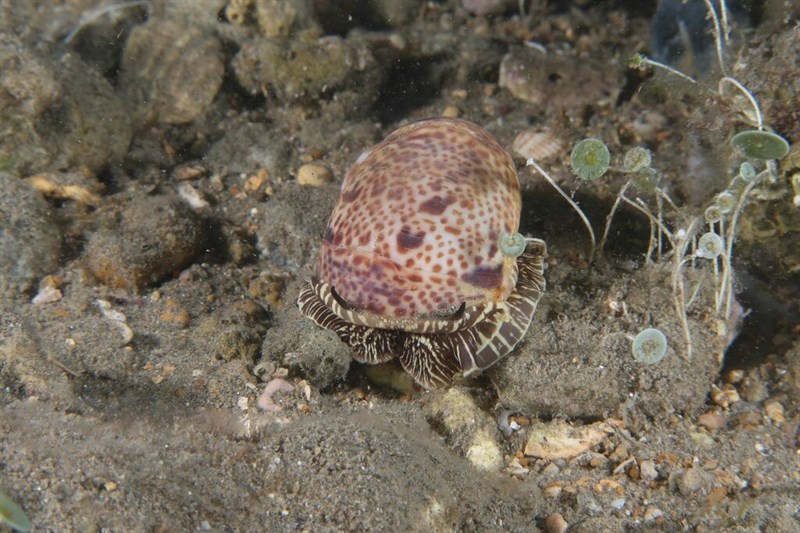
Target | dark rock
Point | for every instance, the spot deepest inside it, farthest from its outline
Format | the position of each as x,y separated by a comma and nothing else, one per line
154,238
29,238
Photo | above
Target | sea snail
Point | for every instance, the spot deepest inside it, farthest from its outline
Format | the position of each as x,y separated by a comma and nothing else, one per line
421,260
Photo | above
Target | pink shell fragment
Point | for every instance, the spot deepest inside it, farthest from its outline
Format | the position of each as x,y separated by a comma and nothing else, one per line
276,385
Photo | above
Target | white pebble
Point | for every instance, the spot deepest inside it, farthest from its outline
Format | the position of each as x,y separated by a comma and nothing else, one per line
47,295
313,175
191,196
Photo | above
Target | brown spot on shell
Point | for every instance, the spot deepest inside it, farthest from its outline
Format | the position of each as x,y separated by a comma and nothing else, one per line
485,277
365,238
407,240
351,195
416,278
437,204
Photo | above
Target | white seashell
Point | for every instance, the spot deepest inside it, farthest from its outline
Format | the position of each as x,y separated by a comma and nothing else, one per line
537,144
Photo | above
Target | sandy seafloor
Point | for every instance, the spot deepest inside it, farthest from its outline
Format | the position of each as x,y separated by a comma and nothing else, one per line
167,169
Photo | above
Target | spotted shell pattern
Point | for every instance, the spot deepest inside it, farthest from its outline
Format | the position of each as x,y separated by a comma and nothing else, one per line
416,228
410,265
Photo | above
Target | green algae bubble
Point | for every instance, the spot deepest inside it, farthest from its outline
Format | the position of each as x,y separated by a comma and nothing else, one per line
649,346
636,159
760,144
646,179
725,202
747,172
713,214
590,159
512,244
710,245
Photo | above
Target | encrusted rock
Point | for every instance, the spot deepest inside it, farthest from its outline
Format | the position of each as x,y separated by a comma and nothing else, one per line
536,77
171,70
278,18
27,86
302,70
57,115
154,238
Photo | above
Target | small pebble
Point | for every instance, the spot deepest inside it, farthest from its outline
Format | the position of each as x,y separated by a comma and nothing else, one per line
749,420
652,514
555,523
712,420
552,491
451,111
192,196
484,452
754,387
701,438
189,171
774,411
516,467
734,376
724,396
647,471
515,76
455,410
691,481
175,314
47,295
256,182
313,175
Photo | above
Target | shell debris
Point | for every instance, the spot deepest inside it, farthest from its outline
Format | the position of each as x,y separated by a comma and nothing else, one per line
117,318
540,145
275,386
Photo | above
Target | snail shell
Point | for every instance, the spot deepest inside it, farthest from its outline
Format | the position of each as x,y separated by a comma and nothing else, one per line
411,264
